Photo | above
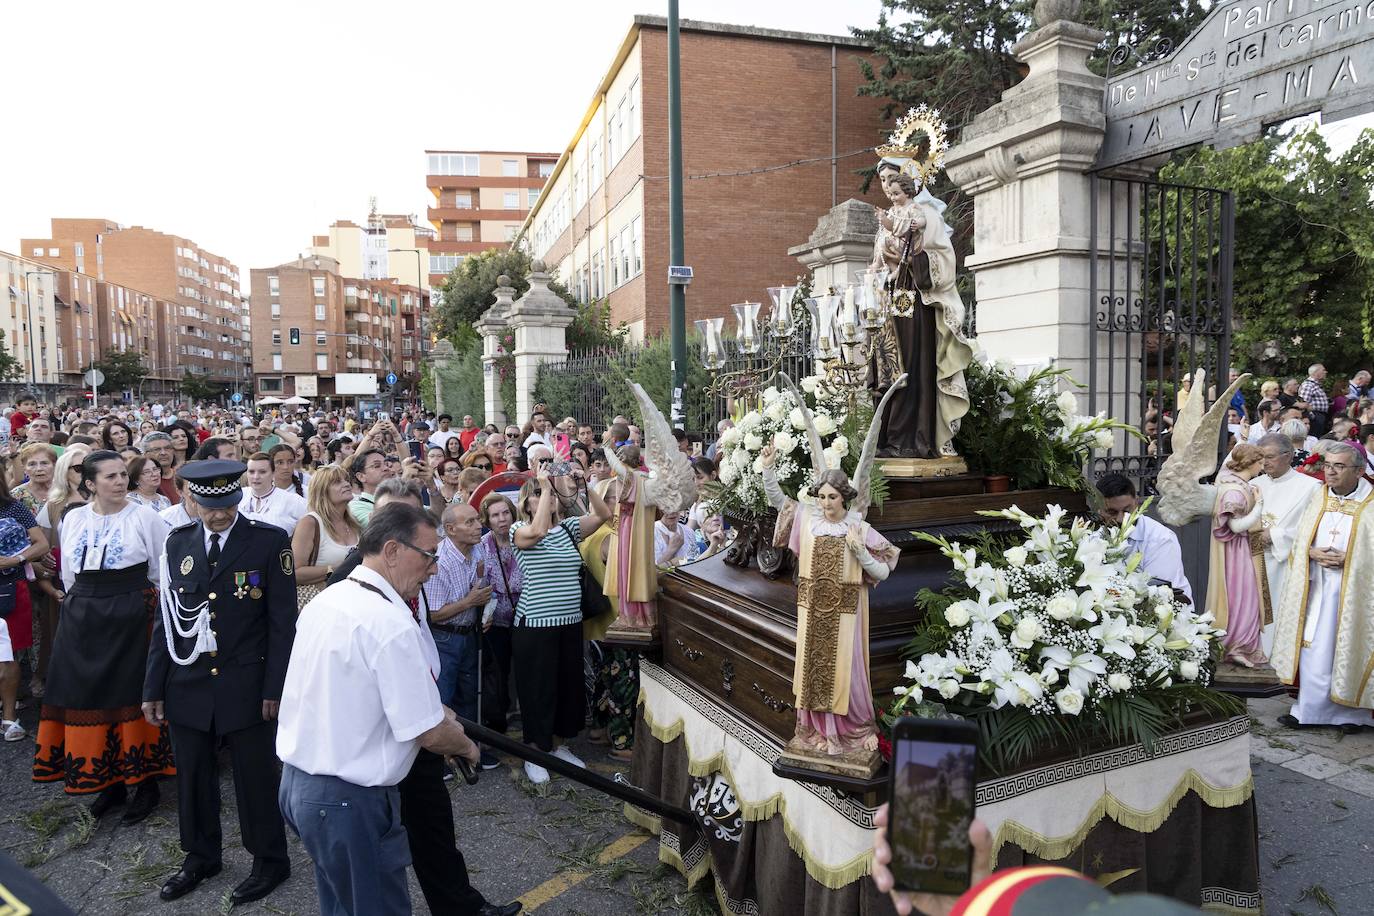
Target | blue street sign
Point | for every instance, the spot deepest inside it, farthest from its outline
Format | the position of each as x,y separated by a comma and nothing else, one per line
391,378
236,397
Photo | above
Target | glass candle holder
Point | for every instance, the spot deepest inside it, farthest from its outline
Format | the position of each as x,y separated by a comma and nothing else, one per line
712,350
747,319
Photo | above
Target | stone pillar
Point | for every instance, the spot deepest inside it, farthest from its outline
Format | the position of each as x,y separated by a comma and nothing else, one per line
440,358
1024,162
540,319
492,326
840,246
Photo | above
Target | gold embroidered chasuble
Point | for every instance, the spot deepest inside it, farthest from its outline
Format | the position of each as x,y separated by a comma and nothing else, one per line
830,592
1353,661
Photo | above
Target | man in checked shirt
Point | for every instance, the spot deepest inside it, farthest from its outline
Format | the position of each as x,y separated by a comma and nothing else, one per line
1318,404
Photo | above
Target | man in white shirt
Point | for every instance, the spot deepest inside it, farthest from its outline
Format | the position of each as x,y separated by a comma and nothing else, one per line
1268,411
1161,556
359,704
267,502
441,435
1285,493
541,434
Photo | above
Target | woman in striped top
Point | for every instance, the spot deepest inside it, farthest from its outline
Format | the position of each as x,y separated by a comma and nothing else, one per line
546,640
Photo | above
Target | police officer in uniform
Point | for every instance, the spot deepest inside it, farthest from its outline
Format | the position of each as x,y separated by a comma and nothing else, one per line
216,667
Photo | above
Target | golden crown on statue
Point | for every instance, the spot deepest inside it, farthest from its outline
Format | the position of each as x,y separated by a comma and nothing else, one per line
921,138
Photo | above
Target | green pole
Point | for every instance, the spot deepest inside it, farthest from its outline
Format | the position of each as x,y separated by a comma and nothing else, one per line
677,293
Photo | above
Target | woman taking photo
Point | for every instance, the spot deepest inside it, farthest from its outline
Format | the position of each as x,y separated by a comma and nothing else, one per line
145,477
546,641
116,436
92,734
497,555
325,534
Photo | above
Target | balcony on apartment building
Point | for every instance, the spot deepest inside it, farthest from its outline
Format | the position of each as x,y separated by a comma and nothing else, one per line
473,214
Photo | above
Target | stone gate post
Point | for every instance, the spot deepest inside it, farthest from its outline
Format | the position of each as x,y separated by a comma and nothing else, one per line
492,326
540,319
840,246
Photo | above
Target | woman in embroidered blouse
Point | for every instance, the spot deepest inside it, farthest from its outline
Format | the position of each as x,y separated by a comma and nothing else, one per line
839,556
92,734
145,477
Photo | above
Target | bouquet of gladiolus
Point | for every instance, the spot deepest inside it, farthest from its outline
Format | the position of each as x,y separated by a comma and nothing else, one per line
1059,637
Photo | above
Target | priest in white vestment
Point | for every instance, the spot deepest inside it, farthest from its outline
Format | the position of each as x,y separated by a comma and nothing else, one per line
1324,621
1284,493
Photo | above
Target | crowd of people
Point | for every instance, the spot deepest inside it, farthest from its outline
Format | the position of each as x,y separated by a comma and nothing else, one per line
177,580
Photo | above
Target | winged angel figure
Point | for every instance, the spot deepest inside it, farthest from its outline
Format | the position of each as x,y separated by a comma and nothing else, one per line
839,556
1236,580
665,489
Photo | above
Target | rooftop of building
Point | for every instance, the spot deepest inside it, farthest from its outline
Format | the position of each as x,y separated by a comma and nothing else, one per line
496,152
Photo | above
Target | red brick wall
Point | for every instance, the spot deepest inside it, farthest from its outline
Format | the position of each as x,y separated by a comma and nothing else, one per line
746,102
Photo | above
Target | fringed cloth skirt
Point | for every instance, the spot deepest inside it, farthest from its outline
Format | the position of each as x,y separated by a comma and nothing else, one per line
91,733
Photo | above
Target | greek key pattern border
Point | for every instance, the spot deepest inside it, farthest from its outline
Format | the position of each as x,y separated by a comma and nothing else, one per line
1192,739
1233,899
764,748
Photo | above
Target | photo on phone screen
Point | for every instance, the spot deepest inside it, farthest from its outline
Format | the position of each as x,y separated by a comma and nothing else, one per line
932,804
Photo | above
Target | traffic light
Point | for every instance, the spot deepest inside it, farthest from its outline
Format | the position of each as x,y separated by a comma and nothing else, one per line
295,337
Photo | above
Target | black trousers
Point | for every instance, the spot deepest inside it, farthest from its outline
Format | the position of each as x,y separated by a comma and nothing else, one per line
252,751
496,678
427,813
549,682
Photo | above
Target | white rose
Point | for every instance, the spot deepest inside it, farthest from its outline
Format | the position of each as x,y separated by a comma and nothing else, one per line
1070,701
956,615
784,442
777,411
1061,607
753,442
797,419
841,445
1118,682
825,424
1016,556
1049,677
1067,402
1163,610
832,458
728,473
758,465
1103,438
1028,630
729,439
741,458
749,421
1188,670
949,688
1003,364
771,394
808,384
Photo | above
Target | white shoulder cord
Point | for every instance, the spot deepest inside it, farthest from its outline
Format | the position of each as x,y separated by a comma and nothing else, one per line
188,622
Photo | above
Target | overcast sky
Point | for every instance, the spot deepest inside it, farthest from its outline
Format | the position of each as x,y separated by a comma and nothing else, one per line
250,126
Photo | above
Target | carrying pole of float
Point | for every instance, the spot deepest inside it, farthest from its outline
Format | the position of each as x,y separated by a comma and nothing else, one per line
677,291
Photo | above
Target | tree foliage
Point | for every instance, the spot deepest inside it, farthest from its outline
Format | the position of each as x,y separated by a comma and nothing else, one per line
471,288
10,366
1142,26
461,379
123,369
1304,249
195,387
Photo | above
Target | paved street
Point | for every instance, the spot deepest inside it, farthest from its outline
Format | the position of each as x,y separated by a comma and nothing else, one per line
568,851
563,851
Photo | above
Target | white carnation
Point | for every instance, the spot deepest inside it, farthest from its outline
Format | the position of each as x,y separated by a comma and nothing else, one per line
957,615
1118,682
741,458
1061,607
797,418
949,688
1069,700
1016,556
825,424
753,442
1188,670
750,420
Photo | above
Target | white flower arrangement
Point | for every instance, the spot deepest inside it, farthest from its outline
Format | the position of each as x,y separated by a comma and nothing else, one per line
1063,624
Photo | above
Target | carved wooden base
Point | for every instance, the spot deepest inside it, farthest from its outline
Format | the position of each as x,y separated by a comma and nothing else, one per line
923,467
855,764
631,637
1261,681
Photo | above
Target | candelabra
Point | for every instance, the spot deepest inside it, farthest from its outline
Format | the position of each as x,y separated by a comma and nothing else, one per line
845,328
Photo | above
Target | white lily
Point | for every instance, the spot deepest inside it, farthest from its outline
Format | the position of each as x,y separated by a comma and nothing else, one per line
1097,577
1082,669
984,613
1115,635
1010,686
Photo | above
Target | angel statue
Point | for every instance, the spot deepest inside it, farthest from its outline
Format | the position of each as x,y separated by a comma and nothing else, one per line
839,557
1237,585
669,486
923,336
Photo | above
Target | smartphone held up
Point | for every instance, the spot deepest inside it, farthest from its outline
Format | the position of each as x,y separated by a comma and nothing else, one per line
931,804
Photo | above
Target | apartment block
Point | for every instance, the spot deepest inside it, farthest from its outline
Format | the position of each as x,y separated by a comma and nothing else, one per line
311,324
201,287
29,321
389,245
753,101
480,201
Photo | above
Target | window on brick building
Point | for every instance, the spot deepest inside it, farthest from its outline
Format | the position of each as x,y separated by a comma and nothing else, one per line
612,132
322,362
319,311
321,338
463,200
534,197
276,309
276,362
463,233
318,283
615,262
596,282
594,164
625,273
511,200
636,245
545,169
273,287
635,113
510,168
276,338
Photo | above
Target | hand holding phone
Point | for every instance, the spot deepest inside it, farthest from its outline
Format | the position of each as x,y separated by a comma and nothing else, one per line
906,902
931,801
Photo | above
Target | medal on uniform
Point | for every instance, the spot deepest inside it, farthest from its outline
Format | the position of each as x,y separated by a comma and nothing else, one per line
255,580
241,588
186,565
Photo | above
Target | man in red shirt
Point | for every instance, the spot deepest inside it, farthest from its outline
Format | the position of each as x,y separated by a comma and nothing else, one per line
468,432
